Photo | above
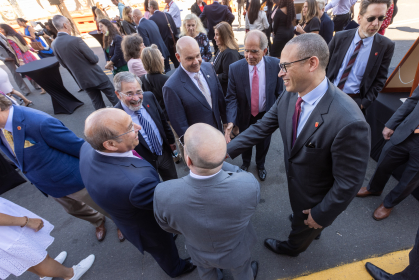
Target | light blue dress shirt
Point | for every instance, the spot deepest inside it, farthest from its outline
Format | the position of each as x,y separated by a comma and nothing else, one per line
147,117
357,72
121,9
9,127
311,100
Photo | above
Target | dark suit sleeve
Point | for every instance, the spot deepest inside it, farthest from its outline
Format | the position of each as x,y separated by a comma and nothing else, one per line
328,27
60,60
175,111
144,35
380,79
87,52
118,55
231,98
59,137
221,101
167,130
229,17
404,110
349,168
142,193
332,46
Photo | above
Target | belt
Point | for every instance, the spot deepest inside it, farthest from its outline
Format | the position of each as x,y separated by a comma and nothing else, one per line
354,95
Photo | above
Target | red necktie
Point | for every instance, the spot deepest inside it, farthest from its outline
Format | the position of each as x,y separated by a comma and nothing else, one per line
255,93
348,68
295,119
136,154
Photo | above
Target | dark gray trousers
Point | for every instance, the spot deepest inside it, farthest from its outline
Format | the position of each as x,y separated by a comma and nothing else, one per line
96,95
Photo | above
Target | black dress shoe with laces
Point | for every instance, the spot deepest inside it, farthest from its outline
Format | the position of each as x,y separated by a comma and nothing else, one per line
376,272
278,247
262,174
189,267
255,268
244,168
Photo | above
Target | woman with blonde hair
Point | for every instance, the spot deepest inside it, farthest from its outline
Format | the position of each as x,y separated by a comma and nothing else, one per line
310,21
192,26
228,52
128,23
132,46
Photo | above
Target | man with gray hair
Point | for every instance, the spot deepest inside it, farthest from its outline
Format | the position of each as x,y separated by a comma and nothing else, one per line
326,142
253,87
326,24
211,207
74,55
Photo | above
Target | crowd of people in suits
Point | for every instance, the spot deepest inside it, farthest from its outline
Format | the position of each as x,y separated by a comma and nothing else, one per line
314,89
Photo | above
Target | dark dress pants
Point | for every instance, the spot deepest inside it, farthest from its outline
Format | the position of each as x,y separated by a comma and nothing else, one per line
392,157
96,95
411,272
166,166
262,147
341,21
301,235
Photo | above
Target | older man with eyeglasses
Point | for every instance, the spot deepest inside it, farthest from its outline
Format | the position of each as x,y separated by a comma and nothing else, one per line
156,140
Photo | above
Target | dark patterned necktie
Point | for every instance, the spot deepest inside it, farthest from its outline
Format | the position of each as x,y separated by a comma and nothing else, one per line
295,119
348,68
152,137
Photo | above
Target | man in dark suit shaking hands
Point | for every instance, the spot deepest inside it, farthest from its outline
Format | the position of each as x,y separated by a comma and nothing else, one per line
253,86
320,128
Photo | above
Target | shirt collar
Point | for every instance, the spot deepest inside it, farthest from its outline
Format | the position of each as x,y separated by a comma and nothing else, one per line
199,177
365,41
260,65
316,93
9,122
190,74
128,110
126,154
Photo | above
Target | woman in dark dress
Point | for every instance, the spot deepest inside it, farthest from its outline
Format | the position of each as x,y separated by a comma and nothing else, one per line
228,52
310,21
197,8
128,23
283,19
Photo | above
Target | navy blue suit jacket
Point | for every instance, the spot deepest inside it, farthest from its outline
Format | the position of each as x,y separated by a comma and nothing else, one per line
214,14
124,187
115,52
238,97
52,163
150,33
159,18
326,28
186,105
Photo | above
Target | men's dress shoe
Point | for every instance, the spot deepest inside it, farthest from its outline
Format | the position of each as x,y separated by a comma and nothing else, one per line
262,174
60,258
381,212
255,268
120,235
244,167
189,267
363,192
376,272
277,247
101,231
82,267
291,216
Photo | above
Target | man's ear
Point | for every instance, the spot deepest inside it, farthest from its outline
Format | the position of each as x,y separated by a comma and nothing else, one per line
177,56
109,145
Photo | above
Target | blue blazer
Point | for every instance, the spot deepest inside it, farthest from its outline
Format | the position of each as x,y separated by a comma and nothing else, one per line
115,52
52,163
124,187
150,33
186,105
327,27
214,14
238,96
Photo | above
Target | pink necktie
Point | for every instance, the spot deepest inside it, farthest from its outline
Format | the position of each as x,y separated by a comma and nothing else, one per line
136,154
255,93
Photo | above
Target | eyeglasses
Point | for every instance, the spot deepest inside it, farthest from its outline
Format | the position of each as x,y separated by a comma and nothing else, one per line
132,130
130,95
181,139
371,19
283,66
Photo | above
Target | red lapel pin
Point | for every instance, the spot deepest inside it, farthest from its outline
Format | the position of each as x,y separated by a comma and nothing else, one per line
19,128
376,53
148,106
317,124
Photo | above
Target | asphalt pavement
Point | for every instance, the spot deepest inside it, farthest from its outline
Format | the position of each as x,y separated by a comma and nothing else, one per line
355,235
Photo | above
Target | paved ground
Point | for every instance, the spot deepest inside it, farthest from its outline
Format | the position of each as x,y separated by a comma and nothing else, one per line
352,237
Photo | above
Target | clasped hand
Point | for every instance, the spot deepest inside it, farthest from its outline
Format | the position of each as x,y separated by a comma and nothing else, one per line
310,221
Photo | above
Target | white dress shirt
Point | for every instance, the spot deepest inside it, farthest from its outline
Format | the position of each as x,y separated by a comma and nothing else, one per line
126,154
199,177
358,69
262,83
201,78
8,127
311,100
261,23
340,7
175,13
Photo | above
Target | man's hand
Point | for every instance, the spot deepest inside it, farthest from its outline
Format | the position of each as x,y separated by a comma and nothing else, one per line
362,107
299,29
227,131
310,221
35,224
173,146
387,132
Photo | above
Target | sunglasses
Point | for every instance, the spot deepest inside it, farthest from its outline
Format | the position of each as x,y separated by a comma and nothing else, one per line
371,19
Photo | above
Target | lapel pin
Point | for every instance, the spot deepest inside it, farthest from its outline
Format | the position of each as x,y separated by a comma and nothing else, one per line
148,106
376,53
316,124
19,128
208,76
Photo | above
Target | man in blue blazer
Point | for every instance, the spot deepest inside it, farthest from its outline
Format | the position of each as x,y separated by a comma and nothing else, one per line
47,153
123,184
193,93
247,104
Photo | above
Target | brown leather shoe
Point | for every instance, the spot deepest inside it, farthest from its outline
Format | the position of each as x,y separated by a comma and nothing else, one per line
381,212
120,235
101,231
363,192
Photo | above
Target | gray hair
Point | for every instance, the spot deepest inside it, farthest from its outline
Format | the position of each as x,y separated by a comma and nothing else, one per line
365,3
309,45
5,103
58,21
320,4
124,77
263,40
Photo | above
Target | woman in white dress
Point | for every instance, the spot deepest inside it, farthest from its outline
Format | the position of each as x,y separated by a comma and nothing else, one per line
24,238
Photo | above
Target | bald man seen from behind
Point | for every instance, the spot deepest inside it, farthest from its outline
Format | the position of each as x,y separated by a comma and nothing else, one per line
123,183
211,207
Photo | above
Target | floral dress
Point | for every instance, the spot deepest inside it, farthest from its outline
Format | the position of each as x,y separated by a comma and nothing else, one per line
26,57
204,46
387,21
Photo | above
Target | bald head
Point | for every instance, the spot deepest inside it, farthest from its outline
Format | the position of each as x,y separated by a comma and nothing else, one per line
186,44
189,54
205,146
137,15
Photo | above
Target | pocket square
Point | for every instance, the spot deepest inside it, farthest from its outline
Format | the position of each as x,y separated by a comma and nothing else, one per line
28,144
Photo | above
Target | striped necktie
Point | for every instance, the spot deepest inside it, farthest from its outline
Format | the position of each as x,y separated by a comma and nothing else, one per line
9,138
152,137
348,68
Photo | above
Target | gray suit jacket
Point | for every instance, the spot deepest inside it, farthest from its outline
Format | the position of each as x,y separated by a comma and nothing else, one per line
74,55
213,214
327,165
405,120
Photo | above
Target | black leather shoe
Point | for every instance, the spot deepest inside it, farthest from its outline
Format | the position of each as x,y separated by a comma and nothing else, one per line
277,247
189,267
376,272
255,268
318,236
244,167
262,174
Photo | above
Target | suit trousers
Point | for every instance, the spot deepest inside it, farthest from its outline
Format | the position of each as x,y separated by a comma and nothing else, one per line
166,166
243,272
301,235
411,272
172,58
17,77
392,156
262,147
82,206
341,21
96,95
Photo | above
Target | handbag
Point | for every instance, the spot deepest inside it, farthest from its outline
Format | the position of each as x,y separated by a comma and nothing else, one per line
171,32
37,46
